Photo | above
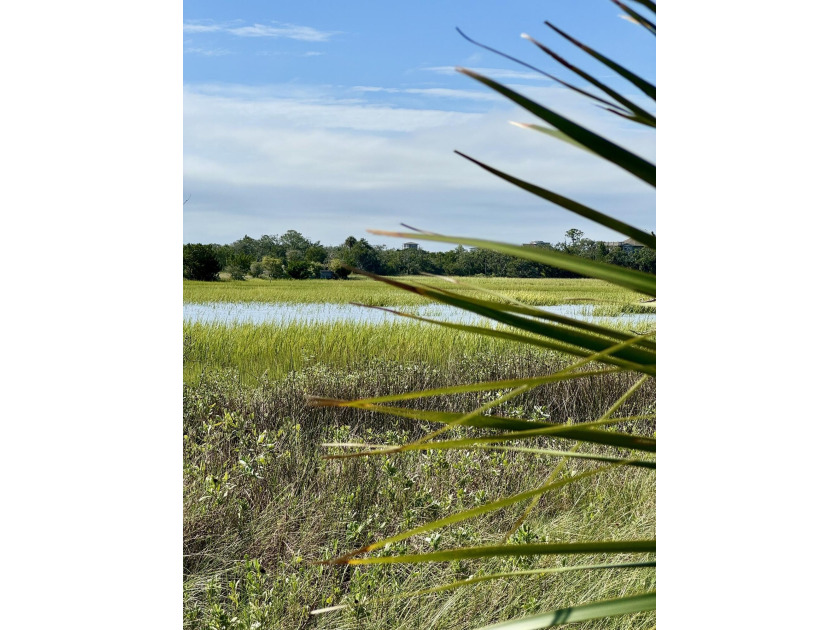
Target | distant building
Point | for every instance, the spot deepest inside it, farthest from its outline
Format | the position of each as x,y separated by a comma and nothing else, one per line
326,274
538,244
410,245
628,245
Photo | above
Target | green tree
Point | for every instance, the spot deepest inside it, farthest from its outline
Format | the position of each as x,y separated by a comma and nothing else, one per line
249,246
293,239
238,265
201,262
574,235
316,253
273,267
365,257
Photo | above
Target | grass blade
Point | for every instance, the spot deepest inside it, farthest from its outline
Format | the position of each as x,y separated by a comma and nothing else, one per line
464,515
599,145
644,116
646,87
497,576
554,133
535,69
532,311
541,572
595,610
468,553
628,278
563,375
593,436
648,4
606,220
640,463
507,303
570,331
642,21
559,346
583,432
561,467
626,353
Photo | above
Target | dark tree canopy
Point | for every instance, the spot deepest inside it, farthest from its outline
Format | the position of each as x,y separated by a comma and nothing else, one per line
200,262
292,255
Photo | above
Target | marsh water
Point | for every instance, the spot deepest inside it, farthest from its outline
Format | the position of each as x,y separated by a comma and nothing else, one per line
263,312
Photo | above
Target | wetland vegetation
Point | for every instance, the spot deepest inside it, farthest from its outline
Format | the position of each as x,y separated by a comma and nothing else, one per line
532,291
262,506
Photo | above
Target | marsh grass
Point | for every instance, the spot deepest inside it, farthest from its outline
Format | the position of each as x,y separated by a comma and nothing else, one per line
262,507
274,350
532,291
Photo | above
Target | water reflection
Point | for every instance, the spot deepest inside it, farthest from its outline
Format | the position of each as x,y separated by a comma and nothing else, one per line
262,312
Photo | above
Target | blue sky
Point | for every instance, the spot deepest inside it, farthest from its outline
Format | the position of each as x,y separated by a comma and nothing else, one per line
333,117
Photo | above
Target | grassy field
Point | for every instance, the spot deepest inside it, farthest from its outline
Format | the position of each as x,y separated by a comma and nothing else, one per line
536,291
262,506
257,351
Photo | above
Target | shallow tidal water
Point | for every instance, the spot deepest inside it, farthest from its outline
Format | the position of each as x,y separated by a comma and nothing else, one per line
233,313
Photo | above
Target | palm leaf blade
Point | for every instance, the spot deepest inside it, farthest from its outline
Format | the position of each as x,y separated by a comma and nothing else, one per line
595,610
599,145
628,278
648,88
606,220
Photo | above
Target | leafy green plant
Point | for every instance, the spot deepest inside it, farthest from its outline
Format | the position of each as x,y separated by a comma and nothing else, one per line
598,445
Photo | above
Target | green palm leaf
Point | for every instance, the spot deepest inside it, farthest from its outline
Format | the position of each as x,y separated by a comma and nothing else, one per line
606,220
642,115
646,87
643,21
491,551
595,610
615,352
627,278
599,145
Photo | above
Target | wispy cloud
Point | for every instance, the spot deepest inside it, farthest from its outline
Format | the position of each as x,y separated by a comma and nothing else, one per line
207,52
290,31
264,160
197,27
286,53
433,92
497,73
276,29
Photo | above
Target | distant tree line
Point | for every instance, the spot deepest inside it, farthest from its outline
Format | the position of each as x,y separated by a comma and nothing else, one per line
294,256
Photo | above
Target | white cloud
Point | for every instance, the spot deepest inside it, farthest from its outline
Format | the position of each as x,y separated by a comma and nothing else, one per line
287,31
495,73
196,27
207,52
290,157
434,92
286,53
